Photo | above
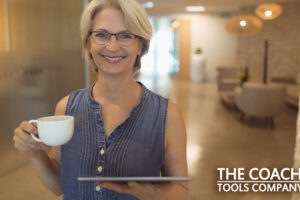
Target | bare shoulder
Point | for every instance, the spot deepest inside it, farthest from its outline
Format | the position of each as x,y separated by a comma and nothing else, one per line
175,124
174,113
175,128
61,106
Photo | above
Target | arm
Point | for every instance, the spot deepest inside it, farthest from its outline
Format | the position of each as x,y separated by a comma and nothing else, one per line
175,164
47,167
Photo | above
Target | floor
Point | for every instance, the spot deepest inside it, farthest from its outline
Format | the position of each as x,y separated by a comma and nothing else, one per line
216,138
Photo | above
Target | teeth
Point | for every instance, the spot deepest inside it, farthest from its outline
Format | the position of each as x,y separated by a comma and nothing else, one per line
113,59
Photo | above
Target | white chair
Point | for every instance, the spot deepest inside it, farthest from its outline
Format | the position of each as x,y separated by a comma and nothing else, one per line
260,100
228,78
292,87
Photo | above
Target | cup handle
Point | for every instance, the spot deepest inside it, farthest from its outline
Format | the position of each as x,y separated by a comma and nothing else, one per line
32,135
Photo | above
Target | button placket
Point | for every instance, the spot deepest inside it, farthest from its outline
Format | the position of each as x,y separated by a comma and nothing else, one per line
98,188
102,151
100,169
101,160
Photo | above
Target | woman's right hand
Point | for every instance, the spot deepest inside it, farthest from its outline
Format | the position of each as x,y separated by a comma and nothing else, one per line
23,140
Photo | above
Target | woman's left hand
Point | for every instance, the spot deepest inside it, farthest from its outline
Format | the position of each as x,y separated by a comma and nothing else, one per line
142,191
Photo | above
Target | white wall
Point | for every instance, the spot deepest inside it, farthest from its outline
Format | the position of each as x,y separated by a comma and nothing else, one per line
208,33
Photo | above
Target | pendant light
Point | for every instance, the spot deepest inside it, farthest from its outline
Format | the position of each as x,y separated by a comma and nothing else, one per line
268,11
244,25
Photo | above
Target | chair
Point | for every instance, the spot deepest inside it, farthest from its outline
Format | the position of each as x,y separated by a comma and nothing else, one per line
260,100
227,78
292,87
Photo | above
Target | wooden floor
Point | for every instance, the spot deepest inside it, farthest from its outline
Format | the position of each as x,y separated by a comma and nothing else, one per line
216,138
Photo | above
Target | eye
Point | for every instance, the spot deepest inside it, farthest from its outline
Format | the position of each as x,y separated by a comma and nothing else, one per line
102,35
125,36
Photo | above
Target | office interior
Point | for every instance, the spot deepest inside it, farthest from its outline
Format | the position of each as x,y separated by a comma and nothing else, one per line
41,61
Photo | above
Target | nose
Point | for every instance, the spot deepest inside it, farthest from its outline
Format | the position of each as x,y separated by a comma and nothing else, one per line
113,44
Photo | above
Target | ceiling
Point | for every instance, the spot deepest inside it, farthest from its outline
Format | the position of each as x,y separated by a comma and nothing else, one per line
212,6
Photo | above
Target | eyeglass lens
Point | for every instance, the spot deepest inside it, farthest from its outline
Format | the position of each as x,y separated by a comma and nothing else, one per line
102,37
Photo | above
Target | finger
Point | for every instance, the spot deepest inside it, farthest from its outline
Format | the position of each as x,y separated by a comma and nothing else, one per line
23,136
121,188
26,141
20,139
18,132
27,138
28,127
136,186
163,185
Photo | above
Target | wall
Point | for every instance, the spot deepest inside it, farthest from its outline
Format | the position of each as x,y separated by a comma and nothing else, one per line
184,49
40,62
284,45
219,47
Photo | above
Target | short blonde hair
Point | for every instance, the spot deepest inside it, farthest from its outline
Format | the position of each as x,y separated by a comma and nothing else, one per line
136,20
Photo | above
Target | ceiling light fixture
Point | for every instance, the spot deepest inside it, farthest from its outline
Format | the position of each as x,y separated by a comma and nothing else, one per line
148,4
244,25
195,8
268,11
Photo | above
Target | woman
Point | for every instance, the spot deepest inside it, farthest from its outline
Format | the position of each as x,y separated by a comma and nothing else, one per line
121,127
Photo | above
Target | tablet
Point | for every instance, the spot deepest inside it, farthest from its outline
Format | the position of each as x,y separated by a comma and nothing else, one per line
138,179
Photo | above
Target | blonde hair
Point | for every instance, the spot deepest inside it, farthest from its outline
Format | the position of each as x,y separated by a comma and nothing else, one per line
136,20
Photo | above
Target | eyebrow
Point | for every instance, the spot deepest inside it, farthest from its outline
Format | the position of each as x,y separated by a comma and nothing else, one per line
102,29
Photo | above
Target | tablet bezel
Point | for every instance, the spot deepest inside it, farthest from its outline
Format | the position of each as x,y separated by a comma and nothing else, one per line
137,179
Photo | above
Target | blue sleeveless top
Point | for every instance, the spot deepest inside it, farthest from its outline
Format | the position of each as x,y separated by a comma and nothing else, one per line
134,148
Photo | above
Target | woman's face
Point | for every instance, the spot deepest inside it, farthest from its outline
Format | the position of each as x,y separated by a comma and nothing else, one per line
113,57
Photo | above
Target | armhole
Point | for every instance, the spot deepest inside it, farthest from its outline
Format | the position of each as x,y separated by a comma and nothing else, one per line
70,101
163,135
68,105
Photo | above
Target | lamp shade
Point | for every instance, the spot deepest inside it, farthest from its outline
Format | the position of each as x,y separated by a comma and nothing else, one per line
244,25
268,11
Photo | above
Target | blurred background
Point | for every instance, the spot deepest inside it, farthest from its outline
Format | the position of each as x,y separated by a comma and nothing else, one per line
201,54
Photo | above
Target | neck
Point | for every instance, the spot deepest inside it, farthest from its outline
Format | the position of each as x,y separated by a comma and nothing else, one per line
115,89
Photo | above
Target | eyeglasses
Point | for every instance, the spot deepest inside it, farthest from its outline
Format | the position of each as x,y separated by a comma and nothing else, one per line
102,37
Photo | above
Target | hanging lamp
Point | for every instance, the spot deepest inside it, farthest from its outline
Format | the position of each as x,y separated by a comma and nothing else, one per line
244,25
268,11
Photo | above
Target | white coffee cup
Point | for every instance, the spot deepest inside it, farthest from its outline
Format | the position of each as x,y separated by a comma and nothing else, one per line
54,130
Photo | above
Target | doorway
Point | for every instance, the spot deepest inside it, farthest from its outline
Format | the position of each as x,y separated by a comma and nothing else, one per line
162,59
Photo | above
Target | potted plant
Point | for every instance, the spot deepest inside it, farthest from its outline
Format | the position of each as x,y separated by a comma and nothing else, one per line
197,68
245,76
198,51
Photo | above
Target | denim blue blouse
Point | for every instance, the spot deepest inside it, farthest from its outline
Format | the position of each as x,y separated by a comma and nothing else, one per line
134,148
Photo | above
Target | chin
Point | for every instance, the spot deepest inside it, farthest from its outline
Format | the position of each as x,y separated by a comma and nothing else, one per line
111,70
115,69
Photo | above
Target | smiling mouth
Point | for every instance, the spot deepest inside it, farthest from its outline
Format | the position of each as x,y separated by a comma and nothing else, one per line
113,59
